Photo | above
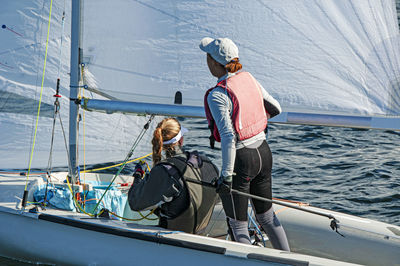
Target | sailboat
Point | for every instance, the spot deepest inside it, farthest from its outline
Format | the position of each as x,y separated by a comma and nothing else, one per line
333,63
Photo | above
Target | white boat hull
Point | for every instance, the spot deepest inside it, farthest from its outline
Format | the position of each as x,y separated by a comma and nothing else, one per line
364,241
63,237
76,240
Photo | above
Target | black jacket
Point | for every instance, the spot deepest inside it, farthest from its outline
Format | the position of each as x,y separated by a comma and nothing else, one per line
160,189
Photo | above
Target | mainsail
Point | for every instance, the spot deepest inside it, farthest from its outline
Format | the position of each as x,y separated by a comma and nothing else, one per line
327,62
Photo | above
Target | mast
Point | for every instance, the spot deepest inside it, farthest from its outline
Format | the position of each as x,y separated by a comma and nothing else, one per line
74,85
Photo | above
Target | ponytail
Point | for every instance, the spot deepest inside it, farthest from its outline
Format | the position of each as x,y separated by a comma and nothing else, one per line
166,130
233,66
157,145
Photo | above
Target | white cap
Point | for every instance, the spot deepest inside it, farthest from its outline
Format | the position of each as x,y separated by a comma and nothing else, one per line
223,50
178,136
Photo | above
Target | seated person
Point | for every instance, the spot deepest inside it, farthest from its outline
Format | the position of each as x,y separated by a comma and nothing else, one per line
182,205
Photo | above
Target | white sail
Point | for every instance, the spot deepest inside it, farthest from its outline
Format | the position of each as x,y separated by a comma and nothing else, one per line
315,57
22,50
319,59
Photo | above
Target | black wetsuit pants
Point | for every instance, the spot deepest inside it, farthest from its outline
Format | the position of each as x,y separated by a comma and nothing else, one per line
253,175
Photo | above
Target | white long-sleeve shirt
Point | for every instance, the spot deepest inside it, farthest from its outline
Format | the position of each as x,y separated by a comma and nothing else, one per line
221,107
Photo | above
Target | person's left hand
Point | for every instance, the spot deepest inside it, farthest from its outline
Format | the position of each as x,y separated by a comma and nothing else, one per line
223,186
139,169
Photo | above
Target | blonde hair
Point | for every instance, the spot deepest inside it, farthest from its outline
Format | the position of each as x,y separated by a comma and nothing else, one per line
166,130
233,65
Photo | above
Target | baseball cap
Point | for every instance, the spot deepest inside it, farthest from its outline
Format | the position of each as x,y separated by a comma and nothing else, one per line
222,50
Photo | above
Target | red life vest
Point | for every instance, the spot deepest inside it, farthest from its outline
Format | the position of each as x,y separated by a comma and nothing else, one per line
249,116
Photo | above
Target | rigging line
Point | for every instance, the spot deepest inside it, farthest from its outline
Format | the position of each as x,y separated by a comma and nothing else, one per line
84,128
62,37
65,141
393,65
49,163
354,50
41,94
76,203
61,42
370,42
334,221
38,53
256,228
101,93
13,31
311,41
138,139
138,219
115,165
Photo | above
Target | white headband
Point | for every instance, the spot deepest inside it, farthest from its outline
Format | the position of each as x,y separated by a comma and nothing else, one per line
175,139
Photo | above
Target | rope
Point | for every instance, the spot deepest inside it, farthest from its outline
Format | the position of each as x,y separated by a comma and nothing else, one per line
56,109
13,31
84,131
76,202
138,219
61,41
251,221
334,221
115,165
49,164
138,139
65,140
40,101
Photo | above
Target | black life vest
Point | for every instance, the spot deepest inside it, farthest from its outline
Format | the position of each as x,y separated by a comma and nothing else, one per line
192,166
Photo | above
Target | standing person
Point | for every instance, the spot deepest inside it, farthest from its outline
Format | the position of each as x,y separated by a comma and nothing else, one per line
237,110
182,205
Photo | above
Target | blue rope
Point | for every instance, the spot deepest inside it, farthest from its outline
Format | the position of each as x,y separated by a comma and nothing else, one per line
251,221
